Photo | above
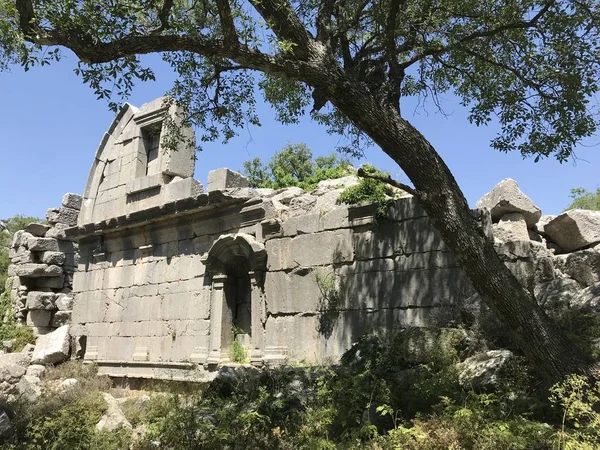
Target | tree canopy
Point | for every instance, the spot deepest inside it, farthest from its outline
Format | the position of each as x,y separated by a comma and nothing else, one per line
584,199
531,65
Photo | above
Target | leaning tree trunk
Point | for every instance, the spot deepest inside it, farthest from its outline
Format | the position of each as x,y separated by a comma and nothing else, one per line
544,344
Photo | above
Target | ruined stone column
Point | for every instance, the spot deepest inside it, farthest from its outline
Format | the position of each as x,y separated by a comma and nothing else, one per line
217,301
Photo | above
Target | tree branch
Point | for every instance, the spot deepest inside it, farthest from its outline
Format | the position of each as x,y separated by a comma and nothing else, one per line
164,16
476,35
388,180
230,37
282,19
324,21
395,73
27,22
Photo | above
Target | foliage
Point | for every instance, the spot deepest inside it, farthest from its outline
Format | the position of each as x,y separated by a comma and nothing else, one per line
61,420
294,166
583,199
238,353
10,329
369,191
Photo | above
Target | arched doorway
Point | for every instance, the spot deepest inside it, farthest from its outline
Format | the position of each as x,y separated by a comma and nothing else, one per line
237,264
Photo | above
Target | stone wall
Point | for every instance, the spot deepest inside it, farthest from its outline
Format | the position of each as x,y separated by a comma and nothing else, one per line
43,261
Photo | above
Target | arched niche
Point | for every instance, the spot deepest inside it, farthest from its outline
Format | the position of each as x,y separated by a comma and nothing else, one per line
237,264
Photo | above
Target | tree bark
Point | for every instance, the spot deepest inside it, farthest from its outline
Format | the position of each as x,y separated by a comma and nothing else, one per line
541,340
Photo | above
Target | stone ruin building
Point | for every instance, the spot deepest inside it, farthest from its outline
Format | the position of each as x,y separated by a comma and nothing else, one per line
160,278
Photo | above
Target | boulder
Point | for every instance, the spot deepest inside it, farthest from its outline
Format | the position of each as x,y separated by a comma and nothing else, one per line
583,266
30,387
56,258
68,384
483,371
113,418
575,229
558,295
13,367
53,347
39,244
588,299
72,201
506,198
326,186
37,229
511,227
36,370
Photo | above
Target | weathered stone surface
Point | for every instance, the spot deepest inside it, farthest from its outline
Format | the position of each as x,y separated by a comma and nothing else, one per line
326,186
72,201
39,318
36,370
588,299
56,258
32,270
574,229
540,226
42,244
281,200
68,384
53,347
511,227
58,232
30,387
64,215
583,266
64,302
37,229
41,300
225,178
505,198
21,239
557,295
13,367
113,418
485,370
60,318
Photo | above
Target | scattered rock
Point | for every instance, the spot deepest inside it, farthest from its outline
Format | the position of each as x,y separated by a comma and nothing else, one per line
326,186
574,229
484,371
113,418
13,367
72,201
36,370
68,384
30,387
68,216
53,347
541,224
505,198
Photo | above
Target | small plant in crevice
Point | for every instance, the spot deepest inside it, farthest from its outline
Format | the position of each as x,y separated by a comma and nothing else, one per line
329,301
238,353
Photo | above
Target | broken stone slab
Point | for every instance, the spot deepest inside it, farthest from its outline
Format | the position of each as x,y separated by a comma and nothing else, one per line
41,300
32,270
37,229
483,371
53,347
72,201
39,244
511,227
574,229
224,178
326,186
68,216
113,418
505,198
55,258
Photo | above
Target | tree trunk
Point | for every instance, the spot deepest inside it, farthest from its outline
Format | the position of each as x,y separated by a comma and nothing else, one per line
544,344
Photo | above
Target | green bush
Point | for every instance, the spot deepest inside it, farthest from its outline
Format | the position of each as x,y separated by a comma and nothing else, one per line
10,328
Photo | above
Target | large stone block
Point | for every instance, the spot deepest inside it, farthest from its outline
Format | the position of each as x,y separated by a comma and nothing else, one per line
574,229
55,258
505,198
32,270
38,244
37,229
68,216
322,248
72,201
583,266
41,300
39,318
224,178
295,292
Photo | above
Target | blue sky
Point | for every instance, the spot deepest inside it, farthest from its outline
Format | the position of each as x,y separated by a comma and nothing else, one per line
51,124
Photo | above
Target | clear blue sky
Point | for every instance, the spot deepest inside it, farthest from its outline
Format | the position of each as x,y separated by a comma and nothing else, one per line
51,125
